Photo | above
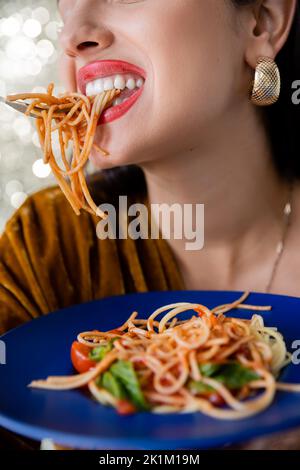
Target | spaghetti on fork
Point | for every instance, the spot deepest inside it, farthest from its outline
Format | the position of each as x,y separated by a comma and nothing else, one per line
74,117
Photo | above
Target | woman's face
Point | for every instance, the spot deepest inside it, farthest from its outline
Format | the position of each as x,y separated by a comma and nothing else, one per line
192,56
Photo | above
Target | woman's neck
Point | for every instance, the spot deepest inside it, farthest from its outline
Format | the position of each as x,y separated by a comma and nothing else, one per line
234,177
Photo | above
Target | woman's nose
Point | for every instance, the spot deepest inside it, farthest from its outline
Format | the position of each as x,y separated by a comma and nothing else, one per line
85,40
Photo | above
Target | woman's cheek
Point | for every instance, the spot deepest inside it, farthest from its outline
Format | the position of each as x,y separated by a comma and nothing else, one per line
67,72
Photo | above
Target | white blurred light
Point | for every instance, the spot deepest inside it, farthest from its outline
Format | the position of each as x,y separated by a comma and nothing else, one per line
26,12
39,89
53,58
11,161
20,47
24,67
51,30
40,169
22,126
59,90
9,7
17,68
41,14
18,17
6,132
33,67
55,141
2,88
13,186
45,48
6,113
10,26
26,138
5,68
36,140
17,199
32,28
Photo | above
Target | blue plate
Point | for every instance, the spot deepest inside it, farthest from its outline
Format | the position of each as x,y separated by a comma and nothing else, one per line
41,348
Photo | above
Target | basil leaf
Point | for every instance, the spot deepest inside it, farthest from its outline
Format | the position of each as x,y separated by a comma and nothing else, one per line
200,387
125,373
112,385
235,375
99,352
209,369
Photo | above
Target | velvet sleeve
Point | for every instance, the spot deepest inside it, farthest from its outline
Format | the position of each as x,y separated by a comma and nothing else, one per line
50,258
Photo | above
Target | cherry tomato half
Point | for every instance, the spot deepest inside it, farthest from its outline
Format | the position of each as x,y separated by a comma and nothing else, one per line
80,357
124,407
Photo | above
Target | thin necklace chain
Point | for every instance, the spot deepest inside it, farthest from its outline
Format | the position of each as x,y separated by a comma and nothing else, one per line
287,213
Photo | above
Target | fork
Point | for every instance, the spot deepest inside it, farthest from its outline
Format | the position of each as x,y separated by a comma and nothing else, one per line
22,106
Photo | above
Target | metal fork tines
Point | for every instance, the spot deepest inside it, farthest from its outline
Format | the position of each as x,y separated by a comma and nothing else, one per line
21,106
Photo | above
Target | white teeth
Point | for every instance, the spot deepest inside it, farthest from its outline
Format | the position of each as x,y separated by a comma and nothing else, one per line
120,82
90,89
108,84
98,86
130,84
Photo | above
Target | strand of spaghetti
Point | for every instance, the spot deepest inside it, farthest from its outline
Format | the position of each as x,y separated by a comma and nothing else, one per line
177,384
286,387
62,148
78,120
50,88
174,312
232,349
253,406
99,149
227,307
44,98
48,137
68,116
70,382
102,395
75,180
75,203
259,308
88,196
78,96
88,142
161,310
31,107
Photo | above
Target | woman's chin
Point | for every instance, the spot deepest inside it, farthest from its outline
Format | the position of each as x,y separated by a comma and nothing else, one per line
99,160
112,159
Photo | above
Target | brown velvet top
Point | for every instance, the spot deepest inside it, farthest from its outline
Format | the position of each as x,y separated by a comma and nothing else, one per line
51,258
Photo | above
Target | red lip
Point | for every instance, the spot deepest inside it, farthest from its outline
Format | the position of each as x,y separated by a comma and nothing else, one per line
115,112
104,68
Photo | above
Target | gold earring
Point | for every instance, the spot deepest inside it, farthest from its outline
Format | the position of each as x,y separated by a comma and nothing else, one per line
267,82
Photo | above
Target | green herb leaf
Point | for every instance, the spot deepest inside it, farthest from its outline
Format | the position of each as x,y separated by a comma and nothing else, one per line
99,352
125,373
235,375
209,369
200,387
113,385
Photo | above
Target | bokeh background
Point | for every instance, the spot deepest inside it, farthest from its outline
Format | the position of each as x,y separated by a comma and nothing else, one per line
28,62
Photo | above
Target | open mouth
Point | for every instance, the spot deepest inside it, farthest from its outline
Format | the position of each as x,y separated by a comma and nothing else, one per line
100,76
128,84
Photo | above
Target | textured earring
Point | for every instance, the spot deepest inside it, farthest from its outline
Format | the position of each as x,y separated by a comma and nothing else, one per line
267,83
